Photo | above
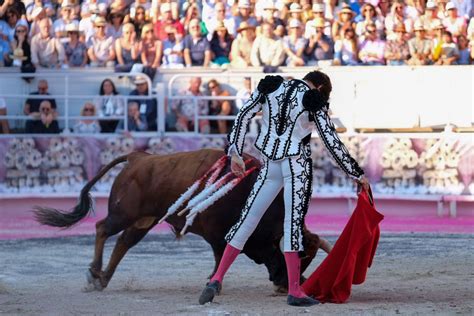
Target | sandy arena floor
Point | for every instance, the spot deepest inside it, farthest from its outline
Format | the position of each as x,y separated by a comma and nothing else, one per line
413,274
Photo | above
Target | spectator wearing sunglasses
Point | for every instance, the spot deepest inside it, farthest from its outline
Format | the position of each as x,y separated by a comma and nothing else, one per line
87,126
372,49
101,50
46,122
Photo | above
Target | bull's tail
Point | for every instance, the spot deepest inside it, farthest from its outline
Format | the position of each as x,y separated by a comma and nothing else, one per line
59,218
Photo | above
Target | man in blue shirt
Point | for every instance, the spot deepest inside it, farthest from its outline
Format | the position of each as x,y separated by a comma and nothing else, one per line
197,50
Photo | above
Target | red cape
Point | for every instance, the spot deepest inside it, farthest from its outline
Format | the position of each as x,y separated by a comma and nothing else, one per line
352,255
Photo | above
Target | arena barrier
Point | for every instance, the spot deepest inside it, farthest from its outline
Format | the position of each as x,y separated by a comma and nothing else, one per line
437,168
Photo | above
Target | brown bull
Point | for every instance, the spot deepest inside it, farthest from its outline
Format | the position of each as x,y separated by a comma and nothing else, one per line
149,184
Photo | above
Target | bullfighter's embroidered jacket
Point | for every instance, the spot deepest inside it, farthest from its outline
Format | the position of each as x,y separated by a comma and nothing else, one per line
289,109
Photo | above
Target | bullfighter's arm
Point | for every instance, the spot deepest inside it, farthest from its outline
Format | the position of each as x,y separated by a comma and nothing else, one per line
237,136
335,146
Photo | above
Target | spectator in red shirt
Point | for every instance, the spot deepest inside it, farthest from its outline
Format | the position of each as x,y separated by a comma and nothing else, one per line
167,19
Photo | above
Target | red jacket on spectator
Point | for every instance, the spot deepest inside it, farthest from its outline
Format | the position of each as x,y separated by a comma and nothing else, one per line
160,27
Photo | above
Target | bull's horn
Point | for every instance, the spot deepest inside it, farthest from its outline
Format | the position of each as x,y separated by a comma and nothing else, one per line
325,245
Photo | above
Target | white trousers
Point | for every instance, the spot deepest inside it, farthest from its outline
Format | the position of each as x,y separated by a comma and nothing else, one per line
294,175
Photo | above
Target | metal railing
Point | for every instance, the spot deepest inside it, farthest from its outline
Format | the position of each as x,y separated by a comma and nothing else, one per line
165,96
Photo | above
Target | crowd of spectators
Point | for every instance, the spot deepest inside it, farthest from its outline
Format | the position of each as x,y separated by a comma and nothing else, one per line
144,36
105,113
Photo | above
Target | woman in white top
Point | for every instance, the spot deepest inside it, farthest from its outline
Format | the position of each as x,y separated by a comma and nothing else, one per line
87,126
345,50
109,104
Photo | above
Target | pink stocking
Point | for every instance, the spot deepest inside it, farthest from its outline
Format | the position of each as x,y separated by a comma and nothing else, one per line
230,253
293,263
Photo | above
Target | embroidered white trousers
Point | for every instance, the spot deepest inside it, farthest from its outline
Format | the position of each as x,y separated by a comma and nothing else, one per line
294,175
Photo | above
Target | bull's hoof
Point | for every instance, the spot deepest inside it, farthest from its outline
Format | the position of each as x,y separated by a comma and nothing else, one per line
301,301
93,282
280,290
211,289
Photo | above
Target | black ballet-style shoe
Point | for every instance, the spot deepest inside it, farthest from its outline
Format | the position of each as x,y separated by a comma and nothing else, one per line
301,301
211,289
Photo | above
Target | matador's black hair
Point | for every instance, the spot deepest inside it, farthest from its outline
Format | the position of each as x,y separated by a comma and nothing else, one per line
320,79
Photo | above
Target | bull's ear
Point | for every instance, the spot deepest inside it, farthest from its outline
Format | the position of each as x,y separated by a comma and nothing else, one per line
269,84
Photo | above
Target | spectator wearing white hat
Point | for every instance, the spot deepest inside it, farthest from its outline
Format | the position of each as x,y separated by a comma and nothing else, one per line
244,11
267,49
465,8
294,44
453,23
75,50
420,47
59,26
430,18
319,48
147,107
345,20
269,17
167,20
242,46
101,51
295,12
31,7
37,15
318,14
46,51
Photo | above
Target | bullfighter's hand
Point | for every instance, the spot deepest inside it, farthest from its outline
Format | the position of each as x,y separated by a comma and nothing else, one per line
237,165
364,183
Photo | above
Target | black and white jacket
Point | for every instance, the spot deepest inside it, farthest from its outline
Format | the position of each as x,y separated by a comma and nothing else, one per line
288,110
